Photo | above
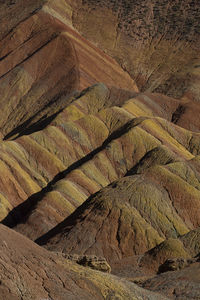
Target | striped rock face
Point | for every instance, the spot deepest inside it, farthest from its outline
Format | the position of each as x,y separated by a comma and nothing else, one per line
99,147
87,146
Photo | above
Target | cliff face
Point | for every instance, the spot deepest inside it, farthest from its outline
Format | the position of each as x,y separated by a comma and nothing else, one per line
100,146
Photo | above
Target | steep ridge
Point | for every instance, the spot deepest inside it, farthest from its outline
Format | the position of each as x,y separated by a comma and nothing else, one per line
29,82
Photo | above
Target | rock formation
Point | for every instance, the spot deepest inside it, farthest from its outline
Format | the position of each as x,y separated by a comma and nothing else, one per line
175,264
91,261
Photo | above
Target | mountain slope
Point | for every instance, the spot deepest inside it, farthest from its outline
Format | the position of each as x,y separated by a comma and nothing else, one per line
30,272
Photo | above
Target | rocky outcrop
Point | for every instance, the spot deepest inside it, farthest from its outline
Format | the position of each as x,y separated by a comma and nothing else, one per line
91,261
191,241
173,254
168,251
175,264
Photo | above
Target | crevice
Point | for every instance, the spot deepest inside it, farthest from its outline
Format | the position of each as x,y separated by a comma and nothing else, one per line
3,57
118,231
178,113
